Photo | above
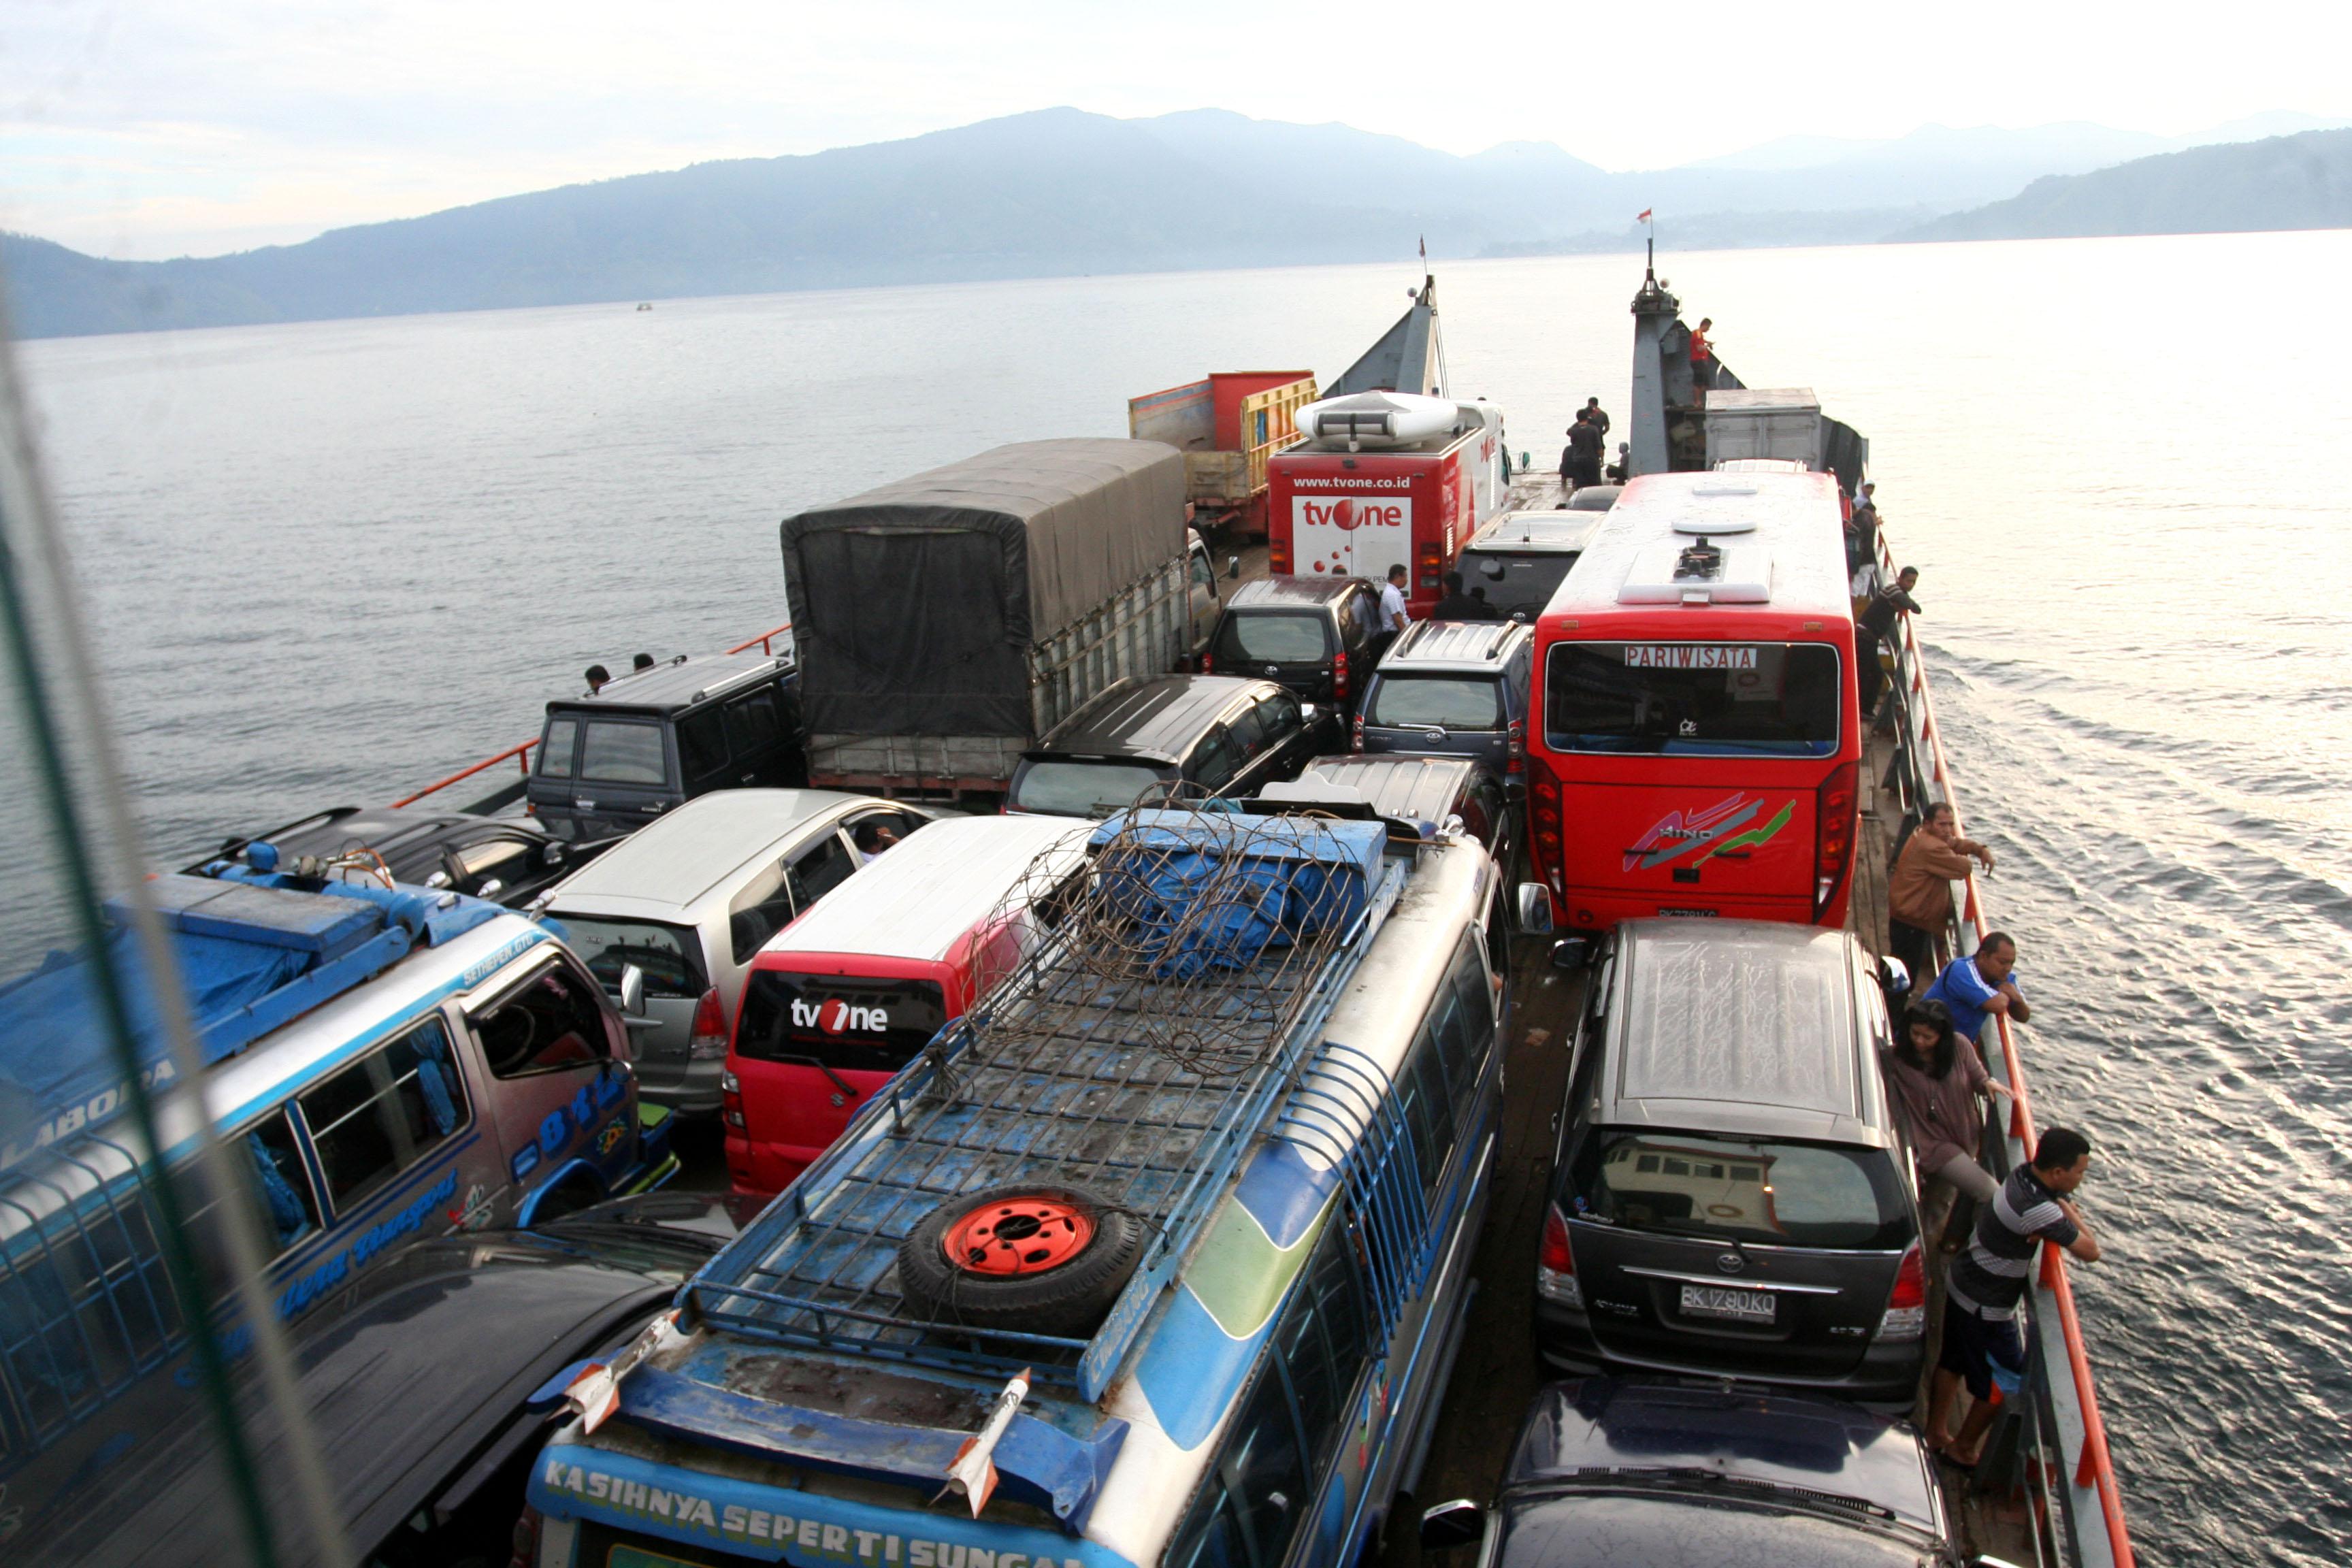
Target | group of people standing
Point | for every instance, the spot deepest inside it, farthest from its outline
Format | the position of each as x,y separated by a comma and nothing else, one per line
1588,439
1936,1077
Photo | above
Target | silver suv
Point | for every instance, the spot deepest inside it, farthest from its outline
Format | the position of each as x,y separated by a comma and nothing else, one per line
1454,688
691,898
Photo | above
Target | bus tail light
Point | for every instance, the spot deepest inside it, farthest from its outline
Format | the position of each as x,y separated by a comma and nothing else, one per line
709,1039
1277,556
1833,822
1432,561
730,1100
1556,1263
1907,1304
525,1540
1543,808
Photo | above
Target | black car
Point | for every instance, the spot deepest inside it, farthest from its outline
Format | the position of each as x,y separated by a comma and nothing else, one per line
427,1391
1317,635
1411,789
1217,735
504,860
657,737
1609,1472
1731,1194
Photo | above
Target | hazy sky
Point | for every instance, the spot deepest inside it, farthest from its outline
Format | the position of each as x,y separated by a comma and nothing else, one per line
148,128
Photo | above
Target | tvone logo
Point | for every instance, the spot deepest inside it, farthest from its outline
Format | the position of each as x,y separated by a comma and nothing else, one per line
1351,512
836,1016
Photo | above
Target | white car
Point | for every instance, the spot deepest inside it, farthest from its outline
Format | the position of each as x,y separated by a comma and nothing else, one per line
690,898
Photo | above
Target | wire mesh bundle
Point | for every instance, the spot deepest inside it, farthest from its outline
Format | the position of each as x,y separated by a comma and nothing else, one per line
1182,902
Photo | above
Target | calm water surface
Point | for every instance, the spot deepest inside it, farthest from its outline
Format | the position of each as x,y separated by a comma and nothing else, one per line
332,562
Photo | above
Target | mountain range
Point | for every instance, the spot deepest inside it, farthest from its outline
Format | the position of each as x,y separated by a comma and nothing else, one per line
1060,191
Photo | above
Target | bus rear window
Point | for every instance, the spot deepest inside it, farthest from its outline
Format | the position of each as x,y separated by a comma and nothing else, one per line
1712,700
838,1021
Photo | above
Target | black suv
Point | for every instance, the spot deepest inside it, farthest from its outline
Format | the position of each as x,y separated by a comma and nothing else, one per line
1317,635
655,738
1221,735
500,859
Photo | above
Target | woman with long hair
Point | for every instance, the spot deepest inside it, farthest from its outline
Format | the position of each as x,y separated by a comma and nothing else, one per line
1938,1081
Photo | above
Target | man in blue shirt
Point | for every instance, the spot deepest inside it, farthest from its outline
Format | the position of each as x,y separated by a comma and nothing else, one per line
1981,985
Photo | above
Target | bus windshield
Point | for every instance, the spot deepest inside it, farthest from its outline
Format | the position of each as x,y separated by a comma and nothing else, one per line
1698,700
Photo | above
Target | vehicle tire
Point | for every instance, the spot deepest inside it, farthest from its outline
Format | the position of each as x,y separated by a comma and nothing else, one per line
1039,1259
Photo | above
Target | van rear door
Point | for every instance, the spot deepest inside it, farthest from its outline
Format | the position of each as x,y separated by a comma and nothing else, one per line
811,1049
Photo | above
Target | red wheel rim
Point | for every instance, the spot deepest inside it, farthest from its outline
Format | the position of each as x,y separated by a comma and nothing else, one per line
1018,1236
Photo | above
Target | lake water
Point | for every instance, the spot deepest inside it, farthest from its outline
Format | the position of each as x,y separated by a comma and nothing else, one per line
332,562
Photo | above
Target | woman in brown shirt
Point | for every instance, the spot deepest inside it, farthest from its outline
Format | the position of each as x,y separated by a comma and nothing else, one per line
1936,1079
1919,889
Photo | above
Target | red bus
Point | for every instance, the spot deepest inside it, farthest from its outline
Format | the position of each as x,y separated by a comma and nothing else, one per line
849,993
1696,741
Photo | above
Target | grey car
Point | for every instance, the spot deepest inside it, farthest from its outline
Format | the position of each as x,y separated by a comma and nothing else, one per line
690,899
1454,688
1731,1196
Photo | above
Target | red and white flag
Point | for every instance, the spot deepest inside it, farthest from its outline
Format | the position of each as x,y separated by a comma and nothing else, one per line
1644,217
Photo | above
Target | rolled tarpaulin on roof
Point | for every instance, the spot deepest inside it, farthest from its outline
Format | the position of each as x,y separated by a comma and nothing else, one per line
915,606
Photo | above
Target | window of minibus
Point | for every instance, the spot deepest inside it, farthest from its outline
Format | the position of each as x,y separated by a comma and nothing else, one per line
1273,636
1281,1442
842,1022
384,1112
1727,698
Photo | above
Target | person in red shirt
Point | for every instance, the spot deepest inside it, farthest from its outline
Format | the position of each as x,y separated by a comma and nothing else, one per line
1702,356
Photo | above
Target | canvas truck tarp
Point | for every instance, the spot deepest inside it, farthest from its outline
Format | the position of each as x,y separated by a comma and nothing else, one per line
915,606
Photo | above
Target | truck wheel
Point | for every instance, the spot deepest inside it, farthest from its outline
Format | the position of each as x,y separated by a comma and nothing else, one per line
1043,1260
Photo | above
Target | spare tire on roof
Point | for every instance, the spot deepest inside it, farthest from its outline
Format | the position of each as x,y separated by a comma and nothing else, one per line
1037,1260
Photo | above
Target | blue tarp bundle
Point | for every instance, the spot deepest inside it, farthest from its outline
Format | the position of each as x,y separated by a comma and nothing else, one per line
1220,890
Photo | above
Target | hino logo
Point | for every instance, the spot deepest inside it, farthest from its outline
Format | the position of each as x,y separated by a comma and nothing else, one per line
1351,512
835,1015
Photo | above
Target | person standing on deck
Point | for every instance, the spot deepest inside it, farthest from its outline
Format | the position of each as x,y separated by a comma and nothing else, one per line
598,678
1938,1090
1585,451
1980,985
1702,358
1594,414
1988,1281
1459,606
1393,618
1919,887
1876,627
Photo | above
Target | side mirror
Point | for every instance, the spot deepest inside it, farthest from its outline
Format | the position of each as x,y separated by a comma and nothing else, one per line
551,854
633,991
1457,1523
1308,713
1571,953
1232,566
1894,978
1533,909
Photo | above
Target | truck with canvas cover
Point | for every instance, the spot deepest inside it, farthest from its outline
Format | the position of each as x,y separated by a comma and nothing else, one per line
946,621
1227,426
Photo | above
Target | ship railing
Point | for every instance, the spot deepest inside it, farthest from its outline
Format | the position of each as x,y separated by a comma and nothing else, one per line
2088,1499
765,642
504,796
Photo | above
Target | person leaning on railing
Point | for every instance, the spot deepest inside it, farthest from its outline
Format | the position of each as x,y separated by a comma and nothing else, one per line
1919,889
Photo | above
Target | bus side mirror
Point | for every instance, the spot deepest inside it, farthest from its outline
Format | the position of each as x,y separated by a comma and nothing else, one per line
1449,1524
633,991
1535,909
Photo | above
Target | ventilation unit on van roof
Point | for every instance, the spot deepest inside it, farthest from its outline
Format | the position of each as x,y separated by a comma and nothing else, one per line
1700,572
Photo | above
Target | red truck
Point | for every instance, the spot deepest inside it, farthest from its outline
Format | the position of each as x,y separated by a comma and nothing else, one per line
1227,427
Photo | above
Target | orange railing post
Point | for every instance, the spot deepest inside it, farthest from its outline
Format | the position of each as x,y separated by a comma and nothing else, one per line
522,752
764,642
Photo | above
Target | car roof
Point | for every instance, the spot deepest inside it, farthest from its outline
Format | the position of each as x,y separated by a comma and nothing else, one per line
1298,592
680,683
1156,716
675,861
523,1307
1533,532
1483,647
1590,1427
1743,1027
378,827
1416,789
1594,498
918,900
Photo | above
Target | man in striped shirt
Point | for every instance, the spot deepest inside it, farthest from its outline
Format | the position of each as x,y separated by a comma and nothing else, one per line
1989,1279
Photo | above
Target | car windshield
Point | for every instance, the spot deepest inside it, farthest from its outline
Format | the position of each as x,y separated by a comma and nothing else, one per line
1711,699
1068,788
1740,1189
620,753
670,956
1516,584
1277,637
1451,702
